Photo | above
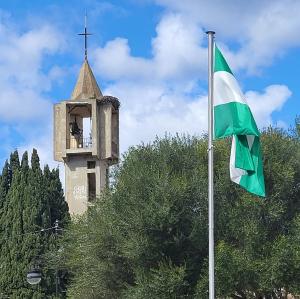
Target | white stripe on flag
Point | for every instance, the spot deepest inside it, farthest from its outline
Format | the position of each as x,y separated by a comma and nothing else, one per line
237,173
226,89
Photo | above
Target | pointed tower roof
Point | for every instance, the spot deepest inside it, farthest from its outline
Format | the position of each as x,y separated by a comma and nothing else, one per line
86,86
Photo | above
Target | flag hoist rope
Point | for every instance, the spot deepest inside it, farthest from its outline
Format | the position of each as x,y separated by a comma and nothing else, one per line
210,35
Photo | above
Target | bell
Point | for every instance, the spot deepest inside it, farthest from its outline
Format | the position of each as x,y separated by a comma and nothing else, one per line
74,129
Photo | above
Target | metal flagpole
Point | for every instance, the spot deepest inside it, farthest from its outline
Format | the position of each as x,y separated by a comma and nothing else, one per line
210,35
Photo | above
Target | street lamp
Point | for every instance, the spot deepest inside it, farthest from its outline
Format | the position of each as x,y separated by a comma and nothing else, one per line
34,276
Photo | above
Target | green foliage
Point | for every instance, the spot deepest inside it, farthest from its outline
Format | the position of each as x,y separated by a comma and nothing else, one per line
258,253
297,125
147,237
31,200
165,281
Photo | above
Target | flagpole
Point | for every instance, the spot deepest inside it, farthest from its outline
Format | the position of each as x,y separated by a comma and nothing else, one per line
210,35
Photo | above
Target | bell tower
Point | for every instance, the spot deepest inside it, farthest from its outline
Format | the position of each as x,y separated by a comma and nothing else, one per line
86,139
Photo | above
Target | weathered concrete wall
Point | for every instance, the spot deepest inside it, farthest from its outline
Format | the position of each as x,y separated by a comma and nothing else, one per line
59,140
115,133
105,112
76,181
104,150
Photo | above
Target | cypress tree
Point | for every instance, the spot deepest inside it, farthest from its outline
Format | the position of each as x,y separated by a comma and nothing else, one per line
4,187
5,182
58,212
14,161
59,207
35,161
12,224
24,162
27,215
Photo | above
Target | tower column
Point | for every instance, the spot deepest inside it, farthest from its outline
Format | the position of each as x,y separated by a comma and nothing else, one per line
86,139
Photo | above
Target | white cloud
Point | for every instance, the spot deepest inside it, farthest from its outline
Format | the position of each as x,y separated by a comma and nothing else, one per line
22,79
159,94
26,111
22,54
19,105
176,54
152,110
177,48
115,62
263,104
262,29
230,18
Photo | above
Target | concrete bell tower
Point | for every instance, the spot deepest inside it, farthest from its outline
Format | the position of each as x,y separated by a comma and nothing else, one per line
86,139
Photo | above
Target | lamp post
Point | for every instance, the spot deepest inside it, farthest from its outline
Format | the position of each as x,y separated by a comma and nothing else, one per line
34,276
56,228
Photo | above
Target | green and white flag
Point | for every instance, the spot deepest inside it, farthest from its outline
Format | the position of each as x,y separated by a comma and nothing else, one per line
233,117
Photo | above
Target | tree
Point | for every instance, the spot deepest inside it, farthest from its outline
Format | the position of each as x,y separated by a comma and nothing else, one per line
147,237
256,253
32,200
297,126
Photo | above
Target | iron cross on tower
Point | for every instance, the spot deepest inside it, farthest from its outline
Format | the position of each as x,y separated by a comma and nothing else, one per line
85,34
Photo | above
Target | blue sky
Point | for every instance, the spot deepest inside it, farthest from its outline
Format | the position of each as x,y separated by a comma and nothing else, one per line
149,53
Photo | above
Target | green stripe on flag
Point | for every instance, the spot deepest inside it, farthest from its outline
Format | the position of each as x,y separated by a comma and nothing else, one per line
254,180
243,158
220,62
234,118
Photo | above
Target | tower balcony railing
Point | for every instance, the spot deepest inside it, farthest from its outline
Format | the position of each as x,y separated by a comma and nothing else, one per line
80,142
